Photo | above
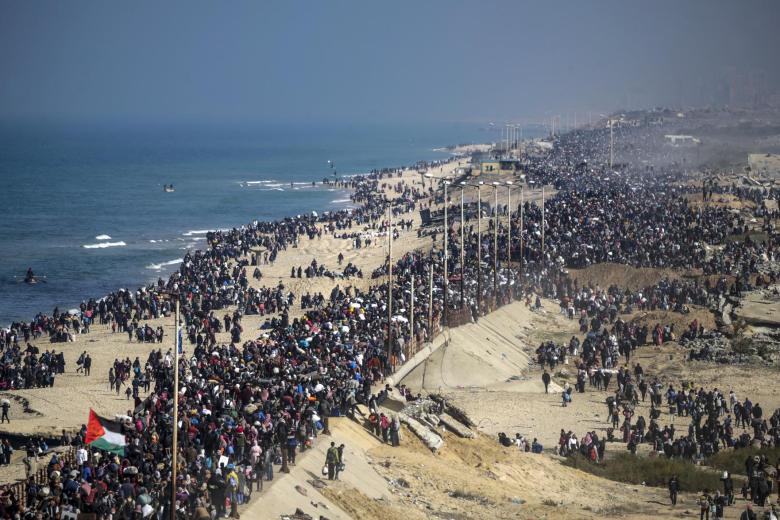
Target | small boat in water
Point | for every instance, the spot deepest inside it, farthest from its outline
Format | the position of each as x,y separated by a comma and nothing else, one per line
31,279
168,188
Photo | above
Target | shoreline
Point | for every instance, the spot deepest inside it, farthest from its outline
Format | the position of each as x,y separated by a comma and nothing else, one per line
192,239
165,268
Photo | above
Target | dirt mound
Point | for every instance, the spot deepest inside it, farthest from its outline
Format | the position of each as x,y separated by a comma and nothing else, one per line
479,479
680,321
634,278
720,200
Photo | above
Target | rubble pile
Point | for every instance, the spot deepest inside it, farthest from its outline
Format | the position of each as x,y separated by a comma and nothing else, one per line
767,346
428,417
758,348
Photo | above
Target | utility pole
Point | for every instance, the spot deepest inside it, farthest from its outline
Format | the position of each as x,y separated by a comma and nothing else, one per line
430,299
446,284
510,137
462,253
175,445
542,223
495,244
479,248
509,223
522,211
411,313
611,155
390,283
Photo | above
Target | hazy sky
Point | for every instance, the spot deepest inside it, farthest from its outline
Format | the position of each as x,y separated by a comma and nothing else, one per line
364,60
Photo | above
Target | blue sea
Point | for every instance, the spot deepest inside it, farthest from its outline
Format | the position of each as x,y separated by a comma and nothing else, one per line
84,206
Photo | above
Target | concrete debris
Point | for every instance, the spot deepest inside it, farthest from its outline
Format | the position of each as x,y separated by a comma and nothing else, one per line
428,436
456,427
433,413
399,482
458,414
297,515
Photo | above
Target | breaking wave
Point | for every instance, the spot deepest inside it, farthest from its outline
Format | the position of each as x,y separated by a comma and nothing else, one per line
103,245
157,267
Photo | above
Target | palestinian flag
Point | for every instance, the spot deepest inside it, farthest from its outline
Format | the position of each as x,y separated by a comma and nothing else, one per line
105,434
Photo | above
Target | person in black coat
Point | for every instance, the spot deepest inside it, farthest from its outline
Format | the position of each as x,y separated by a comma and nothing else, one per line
674,488
546,381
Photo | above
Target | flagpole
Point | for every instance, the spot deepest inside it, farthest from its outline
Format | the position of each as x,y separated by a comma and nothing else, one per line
175,449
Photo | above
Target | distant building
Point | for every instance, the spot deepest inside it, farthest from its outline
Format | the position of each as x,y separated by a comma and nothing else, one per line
681,140
502,166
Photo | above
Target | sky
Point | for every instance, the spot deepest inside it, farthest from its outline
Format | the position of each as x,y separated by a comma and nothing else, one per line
364,61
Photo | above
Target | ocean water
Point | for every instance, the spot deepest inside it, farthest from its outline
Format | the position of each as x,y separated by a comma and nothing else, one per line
84,206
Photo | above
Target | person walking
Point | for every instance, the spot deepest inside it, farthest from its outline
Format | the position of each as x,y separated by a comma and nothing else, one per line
332,460
87,364
728,488
268,463
7,451
340,465
705,502
6,405
674,488
384,424
395,432
232,489
719,503
325,409
546,381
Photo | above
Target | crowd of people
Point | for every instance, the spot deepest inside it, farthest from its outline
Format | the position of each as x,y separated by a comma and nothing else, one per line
249,406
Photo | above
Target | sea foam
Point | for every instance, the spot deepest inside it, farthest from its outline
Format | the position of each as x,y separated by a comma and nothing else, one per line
254,183
103,245
102,237
157,267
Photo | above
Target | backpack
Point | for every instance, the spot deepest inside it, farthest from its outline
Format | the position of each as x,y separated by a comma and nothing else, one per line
232,482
